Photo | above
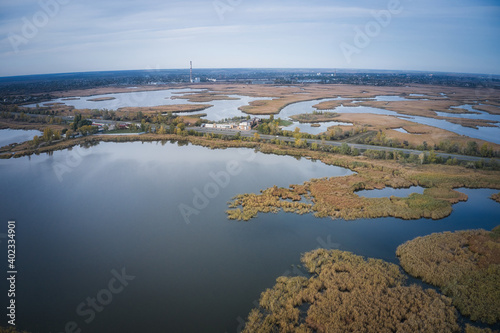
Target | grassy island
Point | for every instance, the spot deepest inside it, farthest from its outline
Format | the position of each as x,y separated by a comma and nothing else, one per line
315,117
101,99
464,264
348,293
343,292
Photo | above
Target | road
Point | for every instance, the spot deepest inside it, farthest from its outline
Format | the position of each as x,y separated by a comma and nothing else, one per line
360,147
251,133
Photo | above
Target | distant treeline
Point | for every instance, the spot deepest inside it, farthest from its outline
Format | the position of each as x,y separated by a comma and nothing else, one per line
34,84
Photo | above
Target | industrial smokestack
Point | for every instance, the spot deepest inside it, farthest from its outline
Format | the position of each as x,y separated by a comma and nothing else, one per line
191,72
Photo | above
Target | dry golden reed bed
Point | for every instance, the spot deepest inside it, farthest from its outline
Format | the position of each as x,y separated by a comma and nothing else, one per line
348,293
336,197
464,264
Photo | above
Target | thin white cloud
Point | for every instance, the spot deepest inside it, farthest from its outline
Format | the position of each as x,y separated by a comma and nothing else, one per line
308,11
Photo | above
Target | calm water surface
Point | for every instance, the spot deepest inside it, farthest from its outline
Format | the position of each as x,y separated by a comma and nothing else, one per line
8,136
83,213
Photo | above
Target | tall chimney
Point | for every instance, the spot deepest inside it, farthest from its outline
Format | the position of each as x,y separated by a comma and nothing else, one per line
191,72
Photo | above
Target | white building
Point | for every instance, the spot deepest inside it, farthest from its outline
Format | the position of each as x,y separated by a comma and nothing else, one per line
245,125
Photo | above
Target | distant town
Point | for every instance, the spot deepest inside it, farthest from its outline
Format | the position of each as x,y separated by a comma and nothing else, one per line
37,88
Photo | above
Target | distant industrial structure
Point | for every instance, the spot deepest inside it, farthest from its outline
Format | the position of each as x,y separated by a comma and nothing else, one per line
191,71
196,79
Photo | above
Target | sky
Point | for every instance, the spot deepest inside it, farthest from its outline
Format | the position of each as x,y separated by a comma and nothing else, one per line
60,36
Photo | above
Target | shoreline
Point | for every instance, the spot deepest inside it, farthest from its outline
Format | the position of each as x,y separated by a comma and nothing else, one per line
334,197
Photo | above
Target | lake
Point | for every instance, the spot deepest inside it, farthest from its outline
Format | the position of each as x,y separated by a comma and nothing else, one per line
9,136
220,110
86,216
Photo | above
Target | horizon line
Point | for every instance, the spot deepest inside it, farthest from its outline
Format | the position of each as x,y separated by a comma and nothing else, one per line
255,68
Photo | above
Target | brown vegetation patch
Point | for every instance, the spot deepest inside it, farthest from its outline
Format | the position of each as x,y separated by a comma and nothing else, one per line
290,94
472,123
415,107
464,264
348,293
474,329
336,197
330,105
417,133
109,90
101,99
166,108
496,197
8,123
204,97
493,109
316,117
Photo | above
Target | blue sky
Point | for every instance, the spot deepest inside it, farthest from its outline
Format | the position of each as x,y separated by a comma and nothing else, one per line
57,36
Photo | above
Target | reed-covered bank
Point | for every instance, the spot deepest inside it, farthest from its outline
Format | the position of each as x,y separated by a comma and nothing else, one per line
464,264
348,293
337,198
334,197
342,292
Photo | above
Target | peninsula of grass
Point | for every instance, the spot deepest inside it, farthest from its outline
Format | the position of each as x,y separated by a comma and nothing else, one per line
101,99
205,97
348,293
336,197
165,108
315,117
464,264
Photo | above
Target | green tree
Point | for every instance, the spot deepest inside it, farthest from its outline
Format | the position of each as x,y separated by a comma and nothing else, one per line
299,143
162,130
485,152
88,129
471,148
345,149
263,128
47,134
432,157
181,126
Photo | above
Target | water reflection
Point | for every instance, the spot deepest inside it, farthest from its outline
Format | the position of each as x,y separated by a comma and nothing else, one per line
8,136
119,207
